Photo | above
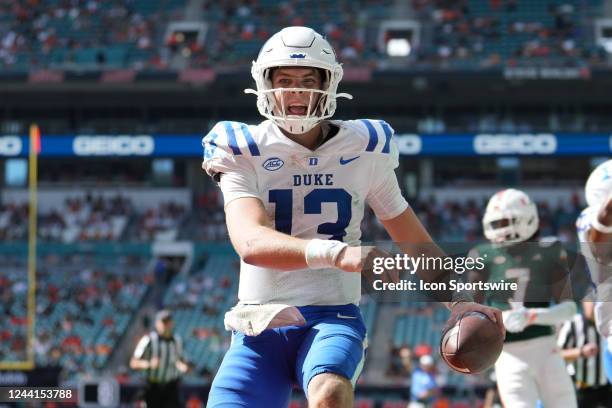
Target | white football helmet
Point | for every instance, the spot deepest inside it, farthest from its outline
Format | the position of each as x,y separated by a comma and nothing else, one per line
510,217
599,185
297,47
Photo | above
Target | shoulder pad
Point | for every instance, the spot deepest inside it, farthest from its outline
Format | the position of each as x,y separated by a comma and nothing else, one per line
224,144
583,222
374,135
230,138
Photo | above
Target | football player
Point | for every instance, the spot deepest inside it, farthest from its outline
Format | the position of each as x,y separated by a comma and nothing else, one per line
295,187
594,226
530,366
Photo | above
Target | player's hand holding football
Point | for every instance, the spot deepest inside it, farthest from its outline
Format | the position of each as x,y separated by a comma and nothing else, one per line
461,308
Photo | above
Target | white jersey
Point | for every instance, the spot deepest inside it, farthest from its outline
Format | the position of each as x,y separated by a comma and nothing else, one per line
583,224
307,194
600,274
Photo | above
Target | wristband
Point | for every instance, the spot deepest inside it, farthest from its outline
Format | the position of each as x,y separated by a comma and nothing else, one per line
604,229
322,253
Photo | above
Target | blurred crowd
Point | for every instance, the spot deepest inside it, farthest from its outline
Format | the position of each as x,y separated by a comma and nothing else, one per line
161,222
241,27
210,217
94,218
88,218
505,31
37,34
41,34
82,308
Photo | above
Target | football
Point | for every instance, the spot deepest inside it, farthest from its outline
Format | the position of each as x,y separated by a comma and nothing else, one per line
472,345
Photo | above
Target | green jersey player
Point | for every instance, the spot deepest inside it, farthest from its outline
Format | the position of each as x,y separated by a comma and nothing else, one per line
530,367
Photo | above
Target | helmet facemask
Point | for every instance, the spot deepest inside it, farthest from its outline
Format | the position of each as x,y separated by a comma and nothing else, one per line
509,230
324,107
510,217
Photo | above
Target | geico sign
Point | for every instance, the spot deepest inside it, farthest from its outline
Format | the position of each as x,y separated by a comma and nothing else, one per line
10,146
113,145
409,144
515,144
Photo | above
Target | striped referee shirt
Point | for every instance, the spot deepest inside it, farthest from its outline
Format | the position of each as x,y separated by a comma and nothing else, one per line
586,372
167,350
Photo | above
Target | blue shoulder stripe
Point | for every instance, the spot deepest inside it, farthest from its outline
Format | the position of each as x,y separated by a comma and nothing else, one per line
249,138
388,134
209,145
231,138
373,135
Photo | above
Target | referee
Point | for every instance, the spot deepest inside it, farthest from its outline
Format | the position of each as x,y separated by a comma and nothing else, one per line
582,348
160,354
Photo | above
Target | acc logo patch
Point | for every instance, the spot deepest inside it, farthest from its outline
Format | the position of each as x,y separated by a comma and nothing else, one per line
273,164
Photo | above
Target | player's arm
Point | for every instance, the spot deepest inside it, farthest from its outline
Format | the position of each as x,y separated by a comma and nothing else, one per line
257,242
553,315
410,235
249,227
398,219
407,231
565,307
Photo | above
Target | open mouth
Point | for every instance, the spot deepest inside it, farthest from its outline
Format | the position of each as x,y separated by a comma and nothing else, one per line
299,110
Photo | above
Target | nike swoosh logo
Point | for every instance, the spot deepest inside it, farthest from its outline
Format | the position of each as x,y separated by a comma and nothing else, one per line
341,316
347,161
